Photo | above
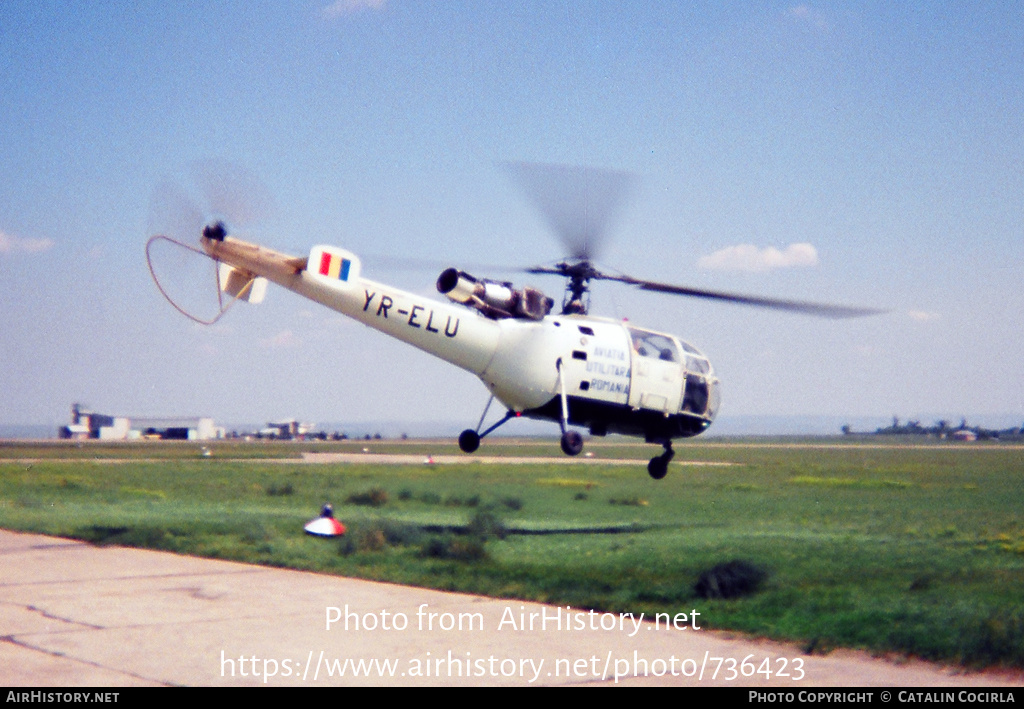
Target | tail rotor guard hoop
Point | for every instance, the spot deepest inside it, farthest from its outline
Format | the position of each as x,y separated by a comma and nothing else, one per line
222,307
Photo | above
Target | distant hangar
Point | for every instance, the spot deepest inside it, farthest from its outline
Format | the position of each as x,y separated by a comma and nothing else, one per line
87,424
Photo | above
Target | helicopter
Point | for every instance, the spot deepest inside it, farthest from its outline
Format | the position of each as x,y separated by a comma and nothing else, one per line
569,367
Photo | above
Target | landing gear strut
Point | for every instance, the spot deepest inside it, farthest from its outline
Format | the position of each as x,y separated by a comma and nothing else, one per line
658,466
572,441
469,440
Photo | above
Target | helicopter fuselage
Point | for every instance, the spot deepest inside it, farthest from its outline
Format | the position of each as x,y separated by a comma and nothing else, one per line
606,375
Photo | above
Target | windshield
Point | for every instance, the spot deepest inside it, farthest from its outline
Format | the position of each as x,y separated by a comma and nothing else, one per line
654,345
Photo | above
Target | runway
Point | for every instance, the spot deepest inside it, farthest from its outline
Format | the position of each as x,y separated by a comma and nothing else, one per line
73,614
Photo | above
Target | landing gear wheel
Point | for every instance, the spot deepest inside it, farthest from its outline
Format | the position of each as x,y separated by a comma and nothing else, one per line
572,443
658,467
469,441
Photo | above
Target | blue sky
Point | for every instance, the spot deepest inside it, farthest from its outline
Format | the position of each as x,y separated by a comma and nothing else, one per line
868,153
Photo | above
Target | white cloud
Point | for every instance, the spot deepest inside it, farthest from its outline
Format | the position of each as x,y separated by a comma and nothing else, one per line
809,16
13,244
747,257
922,315
285,338
340,8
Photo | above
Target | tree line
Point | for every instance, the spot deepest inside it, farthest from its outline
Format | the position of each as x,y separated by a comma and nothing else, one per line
943,430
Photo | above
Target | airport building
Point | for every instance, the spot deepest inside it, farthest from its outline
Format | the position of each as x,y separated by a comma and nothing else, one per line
87,424
287,430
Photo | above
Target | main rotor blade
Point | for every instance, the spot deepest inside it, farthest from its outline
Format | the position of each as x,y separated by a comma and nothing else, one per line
577,202
824,310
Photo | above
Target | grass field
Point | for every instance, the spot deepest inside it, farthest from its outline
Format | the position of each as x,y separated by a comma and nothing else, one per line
916,550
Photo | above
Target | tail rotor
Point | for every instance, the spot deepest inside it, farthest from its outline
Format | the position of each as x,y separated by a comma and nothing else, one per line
184,273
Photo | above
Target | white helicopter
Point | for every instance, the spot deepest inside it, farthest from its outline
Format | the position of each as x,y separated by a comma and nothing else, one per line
574,369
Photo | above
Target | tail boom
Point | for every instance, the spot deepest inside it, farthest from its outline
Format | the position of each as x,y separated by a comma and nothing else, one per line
331,277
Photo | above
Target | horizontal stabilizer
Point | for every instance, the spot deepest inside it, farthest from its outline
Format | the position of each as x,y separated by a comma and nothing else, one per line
241,285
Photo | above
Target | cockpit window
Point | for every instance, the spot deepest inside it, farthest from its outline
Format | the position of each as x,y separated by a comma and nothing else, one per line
654,345
695,359
697,364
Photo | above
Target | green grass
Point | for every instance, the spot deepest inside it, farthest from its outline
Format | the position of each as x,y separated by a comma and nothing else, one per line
915,550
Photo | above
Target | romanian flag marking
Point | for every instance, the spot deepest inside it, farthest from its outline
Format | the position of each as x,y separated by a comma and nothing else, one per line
334,266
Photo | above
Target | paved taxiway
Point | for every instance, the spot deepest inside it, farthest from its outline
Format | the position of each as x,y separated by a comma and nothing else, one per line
73,614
